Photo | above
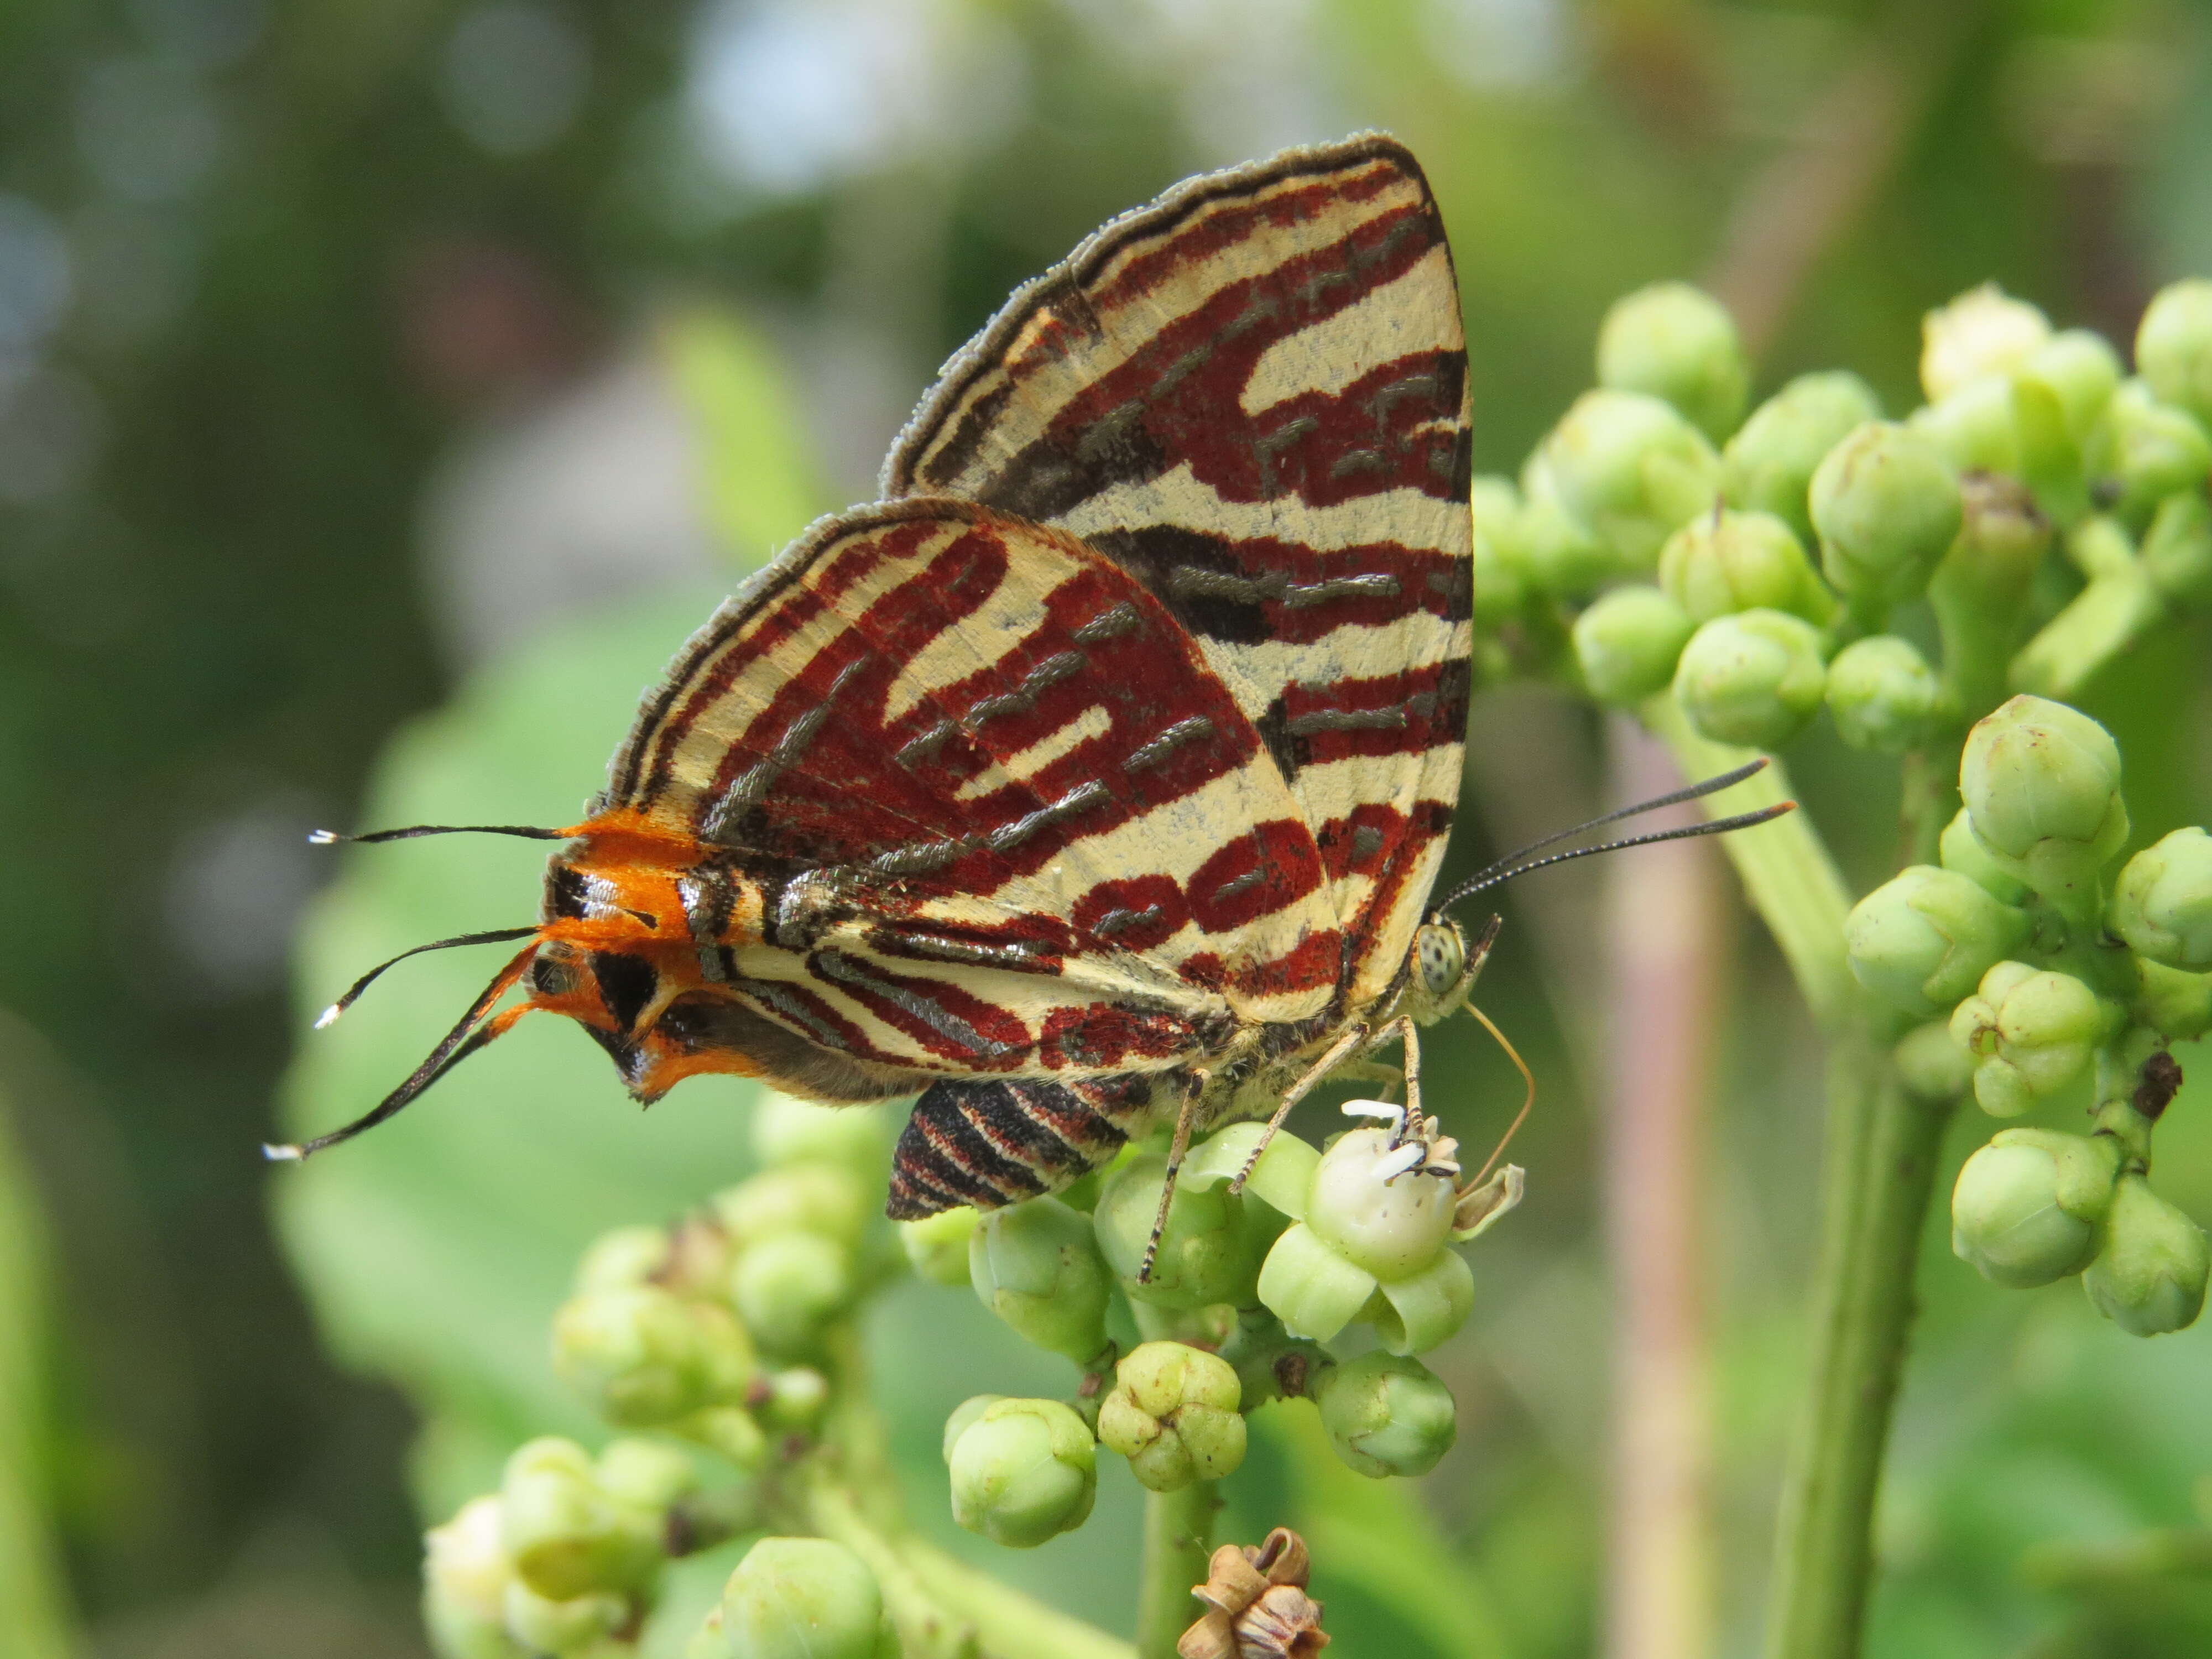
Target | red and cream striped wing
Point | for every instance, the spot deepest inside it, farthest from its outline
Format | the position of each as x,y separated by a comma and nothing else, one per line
1007,818
1251,396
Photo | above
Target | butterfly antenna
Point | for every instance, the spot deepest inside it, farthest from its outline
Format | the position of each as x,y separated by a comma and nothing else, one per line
1688,832
1516,863
465,1039
497,936
1527,1100
525,831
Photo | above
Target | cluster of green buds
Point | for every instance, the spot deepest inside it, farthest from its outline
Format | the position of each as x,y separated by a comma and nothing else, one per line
1761,568
1249,1281
715,1335
564,1558
715,1329
2039,975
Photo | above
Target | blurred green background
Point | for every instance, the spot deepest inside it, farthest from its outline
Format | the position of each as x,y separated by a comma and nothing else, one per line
386,387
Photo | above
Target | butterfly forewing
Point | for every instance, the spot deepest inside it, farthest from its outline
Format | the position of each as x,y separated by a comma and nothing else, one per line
1251,395
1005,817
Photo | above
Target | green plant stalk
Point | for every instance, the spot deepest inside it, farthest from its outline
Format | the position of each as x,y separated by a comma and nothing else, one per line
1880,1161
926,1628
941,1608
2118,607
1008,1625
1784,867
1878,1174
1178,1539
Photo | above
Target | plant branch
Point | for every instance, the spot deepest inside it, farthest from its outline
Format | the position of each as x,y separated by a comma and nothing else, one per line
1785,867
1008,1625
1178,1539
1879,1173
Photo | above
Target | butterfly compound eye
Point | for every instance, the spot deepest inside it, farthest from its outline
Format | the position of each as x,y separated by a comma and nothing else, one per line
1439,957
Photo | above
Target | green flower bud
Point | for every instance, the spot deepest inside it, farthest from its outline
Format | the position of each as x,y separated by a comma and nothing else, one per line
1036,1266
1984,331
1721,562
1961,849
2146,451
2033,1032
2042,786
1768,466
812,1197
788,1131
1883,695
1886,507
1975,427
2162,902
1629,469
2080,371
1676,343
648,1476
646,1356
1022,1472
1932,1066
787,1286
2177,551
796,1396
1628,643
803,1598
965,1415
2175,1005
1554,552
937,1246
1755,679
1387,1415
565,1535
2001,543
573,1626
1209,1253
1924,939
2149,1277
2026,1208
1173,1414
624,1257
465,1573
2173,346
1501,578
731,1430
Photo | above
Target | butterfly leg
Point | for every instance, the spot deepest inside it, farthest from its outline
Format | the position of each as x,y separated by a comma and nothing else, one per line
1342,1049
1177,1147
1402,1030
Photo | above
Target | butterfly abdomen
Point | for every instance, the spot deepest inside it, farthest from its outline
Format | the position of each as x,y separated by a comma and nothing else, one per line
996,1142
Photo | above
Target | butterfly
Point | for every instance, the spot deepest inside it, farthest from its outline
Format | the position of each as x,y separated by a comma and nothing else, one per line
1097,777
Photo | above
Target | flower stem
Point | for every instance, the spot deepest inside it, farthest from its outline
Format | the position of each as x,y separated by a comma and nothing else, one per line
1786,871
1178,1539
1878,1173
1008,1625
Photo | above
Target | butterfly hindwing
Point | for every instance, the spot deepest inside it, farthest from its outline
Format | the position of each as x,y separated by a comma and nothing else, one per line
1251,395
1006,818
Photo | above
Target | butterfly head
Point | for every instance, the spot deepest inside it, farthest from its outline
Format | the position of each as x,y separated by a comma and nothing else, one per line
626,953
1441,970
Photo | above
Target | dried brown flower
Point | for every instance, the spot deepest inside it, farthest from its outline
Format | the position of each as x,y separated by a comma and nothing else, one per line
1256,1605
